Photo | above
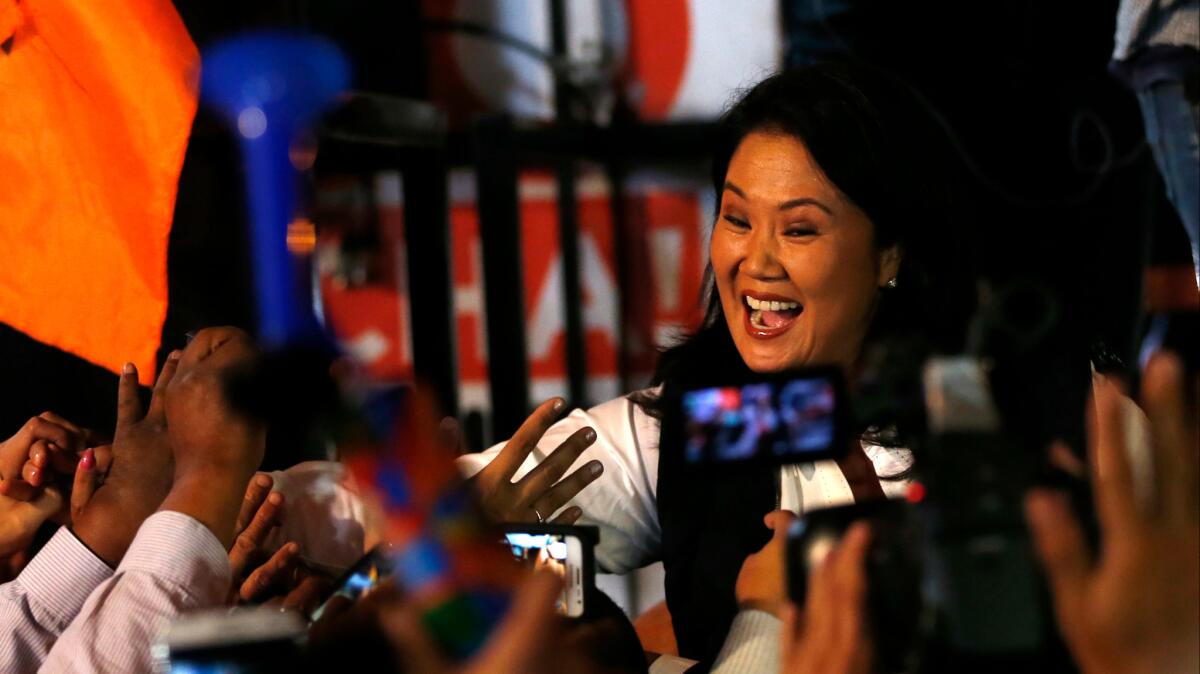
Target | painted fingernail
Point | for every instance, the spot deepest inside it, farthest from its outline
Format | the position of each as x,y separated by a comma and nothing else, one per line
88,461
275,498
595,468
589,435
559,405
262,480
129,368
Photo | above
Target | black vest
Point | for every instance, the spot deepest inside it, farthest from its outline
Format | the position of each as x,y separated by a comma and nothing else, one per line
711,519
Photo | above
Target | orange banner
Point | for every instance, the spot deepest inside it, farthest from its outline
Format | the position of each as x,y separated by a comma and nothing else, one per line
96,104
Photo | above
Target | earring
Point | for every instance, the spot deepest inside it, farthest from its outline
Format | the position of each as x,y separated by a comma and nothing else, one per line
892,283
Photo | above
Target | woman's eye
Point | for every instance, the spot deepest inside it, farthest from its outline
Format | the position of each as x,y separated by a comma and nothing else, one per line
800,231
736,222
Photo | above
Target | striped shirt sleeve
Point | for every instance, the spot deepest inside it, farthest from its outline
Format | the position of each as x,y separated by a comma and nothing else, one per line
38,605
175,564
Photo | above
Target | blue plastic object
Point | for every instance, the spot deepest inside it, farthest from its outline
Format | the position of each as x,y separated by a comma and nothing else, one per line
272,86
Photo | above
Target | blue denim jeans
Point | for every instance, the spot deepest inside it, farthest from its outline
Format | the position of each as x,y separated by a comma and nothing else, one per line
1173,132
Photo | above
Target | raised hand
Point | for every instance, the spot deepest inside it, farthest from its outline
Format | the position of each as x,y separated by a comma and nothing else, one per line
1134,607
24,456
762,582
830,633
139,473
216,448
536,496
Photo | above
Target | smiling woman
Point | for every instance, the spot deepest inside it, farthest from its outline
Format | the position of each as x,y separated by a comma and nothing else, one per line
834,231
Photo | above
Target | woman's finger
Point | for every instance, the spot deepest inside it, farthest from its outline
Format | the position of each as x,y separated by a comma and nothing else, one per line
568,516
567,489
85,482
277,571
32,474
77,435
255,533
556,465
509,460
256,493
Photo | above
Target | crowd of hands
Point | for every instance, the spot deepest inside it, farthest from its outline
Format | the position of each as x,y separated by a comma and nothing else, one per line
1132,605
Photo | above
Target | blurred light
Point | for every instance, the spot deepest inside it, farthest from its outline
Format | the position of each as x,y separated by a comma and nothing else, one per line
252,123
301,236
915,493
303,152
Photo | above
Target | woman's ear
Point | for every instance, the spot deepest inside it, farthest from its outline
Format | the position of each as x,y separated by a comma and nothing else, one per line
889,264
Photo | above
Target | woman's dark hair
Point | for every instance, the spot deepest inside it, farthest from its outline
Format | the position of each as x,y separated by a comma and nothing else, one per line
879,147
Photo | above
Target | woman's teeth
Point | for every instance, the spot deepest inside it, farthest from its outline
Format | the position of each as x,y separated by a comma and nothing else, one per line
771,314
770,305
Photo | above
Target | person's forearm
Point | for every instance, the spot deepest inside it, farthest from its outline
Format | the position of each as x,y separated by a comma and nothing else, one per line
212,497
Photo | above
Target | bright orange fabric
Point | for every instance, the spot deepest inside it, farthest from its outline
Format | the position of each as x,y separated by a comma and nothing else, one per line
96,104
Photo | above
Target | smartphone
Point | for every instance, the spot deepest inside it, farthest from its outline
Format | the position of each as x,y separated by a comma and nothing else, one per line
793,417
565,550
361,578
238,641
894,569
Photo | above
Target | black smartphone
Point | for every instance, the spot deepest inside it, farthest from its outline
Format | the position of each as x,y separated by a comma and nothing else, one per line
360,579
894,568
791,417
566,550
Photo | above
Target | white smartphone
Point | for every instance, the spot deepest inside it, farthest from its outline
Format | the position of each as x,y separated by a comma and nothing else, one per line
564,550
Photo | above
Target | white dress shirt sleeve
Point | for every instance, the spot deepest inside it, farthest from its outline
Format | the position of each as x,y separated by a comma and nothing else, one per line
175,564
752,645
621,502
38,605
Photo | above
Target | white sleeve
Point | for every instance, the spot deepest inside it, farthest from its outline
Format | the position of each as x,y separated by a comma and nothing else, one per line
621,502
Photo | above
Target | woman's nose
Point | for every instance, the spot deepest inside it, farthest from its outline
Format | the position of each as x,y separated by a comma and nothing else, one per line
762,260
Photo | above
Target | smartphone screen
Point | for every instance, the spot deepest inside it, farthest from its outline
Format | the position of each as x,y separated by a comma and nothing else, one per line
561,553
360,579
788,419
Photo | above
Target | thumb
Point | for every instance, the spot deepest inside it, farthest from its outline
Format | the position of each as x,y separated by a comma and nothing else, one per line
85,482
779,521
1060,546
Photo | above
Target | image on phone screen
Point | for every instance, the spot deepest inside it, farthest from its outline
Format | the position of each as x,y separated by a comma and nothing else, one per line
560,553
361,578
790,420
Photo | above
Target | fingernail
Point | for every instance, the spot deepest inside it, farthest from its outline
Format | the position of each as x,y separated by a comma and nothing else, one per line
129,368
559,405
262,480
293,548
275,498
88,461
589,435
175,355
595,468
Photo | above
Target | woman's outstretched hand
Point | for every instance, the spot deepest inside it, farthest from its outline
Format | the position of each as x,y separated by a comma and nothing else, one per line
535,497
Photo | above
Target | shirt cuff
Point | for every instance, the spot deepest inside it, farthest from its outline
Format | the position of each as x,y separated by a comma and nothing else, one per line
752,644
180,550
62,575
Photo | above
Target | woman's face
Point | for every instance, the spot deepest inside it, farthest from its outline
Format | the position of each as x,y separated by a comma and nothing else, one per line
796,267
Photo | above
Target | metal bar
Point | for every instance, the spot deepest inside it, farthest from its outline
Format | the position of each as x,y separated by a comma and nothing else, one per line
430,294
500,236
568,226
